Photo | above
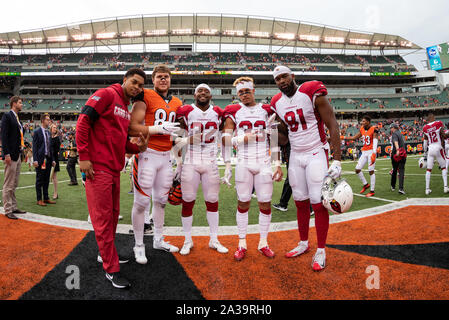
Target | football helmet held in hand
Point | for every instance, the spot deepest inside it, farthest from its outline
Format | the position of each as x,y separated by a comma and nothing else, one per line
175,193
337,195
422,162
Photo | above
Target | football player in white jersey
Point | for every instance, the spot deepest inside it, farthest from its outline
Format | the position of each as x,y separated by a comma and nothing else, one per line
250,120
202,122
305,110
446,147
433,150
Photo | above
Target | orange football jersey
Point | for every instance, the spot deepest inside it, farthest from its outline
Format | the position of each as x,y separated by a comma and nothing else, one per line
368,137
159,110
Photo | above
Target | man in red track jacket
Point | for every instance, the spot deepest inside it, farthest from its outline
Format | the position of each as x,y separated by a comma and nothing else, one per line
102,139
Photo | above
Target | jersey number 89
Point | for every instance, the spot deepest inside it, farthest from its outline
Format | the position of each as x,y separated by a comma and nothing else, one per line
161,116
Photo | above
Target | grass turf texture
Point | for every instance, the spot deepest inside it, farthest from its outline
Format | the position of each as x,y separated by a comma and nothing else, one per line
72,199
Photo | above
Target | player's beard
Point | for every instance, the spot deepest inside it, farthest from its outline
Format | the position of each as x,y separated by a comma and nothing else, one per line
289,90
204,103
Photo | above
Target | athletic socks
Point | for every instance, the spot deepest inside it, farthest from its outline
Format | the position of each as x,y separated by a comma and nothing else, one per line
148,216
138,220
321,224
362,178
264,227
242,226
158,218
428,173
303,217
212,219
187,228
372,182
444,174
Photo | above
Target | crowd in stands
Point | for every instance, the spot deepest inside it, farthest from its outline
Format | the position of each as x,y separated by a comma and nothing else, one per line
207,60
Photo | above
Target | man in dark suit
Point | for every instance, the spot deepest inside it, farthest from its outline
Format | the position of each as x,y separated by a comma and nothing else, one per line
72,160
12,146
43,160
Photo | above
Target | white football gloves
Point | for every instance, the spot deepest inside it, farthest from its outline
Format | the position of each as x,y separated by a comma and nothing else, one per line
271,124
227,174
166,127
335,170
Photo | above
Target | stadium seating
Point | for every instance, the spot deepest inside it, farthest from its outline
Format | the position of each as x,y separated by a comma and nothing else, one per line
202,61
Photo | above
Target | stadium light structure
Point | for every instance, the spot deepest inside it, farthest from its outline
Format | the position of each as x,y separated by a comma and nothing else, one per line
131,34
221,29
57,39
309,37
285,36
156,33
82,37
106,35
32,40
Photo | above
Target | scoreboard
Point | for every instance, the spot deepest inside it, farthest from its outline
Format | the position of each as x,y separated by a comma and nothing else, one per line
438,56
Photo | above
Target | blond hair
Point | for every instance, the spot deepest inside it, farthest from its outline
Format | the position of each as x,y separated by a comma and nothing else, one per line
160,68
243,79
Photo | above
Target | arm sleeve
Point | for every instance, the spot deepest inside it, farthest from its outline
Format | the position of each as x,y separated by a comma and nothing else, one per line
82,136
5,130
35,145
95,106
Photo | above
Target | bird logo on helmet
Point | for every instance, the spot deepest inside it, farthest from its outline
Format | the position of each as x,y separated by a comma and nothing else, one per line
175,193
337,195
422,162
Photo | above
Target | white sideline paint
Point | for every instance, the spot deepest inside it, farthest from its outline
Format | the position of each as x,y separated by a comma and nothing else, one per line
252,229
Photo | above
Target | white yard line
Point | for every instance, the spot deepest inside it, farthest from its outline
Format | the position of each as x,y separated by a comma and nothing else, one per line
34,186
374,198
252,229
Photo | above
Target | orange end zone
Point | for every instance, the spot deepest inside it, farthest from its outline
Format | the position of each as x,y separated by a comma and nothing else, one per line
29,250
257,277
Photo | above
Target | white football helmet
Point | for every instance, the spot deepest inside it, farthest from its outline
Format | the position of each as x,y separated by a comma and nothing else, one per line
422,162
337,195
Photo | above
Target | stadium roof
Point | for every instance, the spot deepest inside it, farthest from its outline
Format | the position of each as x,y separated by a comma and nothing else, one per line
201,29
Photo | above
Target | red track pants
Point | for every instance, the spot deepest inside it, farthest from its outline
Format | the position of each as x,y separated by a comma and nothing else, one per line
103,202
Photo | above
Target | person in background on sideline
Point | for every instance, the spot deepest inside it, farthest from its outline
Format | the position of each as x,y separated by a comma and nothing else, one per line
12,146
56,146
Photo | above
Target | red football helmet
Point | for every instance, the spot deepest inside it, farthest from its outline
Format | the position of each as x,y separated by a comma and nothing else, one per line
175,193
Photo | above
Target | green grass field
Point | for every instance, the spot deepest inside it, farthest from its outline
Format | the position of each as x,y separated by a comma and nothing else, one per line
72,200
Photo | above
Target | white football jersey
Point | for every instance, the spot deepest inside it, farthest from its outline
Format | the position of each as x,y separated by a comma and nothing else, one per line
446,141
208,123
249,119
305,126
432,131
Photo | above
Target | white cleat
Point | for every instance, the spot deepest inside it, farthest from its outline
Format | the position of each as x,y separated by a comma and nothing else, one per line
428,191
165,246
299,250
139,253
185,250
319,261
216,245
446,189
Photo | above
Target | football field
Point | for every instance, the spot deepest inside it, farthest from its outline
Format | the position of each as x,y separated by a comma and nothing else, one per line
72,200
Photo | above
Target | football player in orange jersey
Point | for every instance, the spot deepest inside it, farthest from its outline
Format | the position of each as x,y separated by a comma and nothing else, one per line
369,134
154,111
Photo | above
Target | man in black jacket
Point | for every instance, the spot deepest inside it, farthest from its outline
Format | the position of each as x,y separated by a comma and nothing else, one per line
398,158
43,160
72,160
12,146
